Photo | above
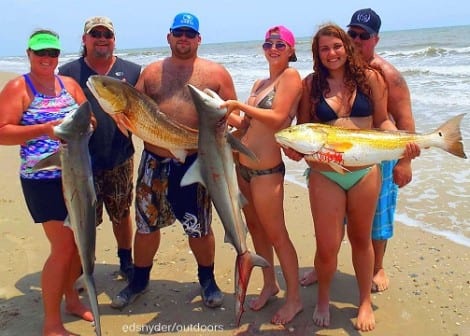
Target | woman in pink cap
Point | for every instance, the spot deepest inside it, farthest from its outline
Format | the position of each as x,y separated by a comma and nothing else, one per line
270,107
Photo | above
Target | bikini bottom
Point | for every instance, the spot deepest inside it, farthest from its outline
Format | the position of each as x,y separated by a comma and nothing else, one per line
347,180
247,173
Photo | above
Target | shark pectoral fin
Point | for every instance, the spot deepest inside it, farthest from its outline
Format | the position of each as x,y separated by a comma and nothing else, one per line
193,175
48,163
238,146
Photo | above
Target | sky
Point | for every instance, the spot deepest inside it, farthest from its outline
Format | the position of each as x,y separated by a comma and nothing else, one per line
145,23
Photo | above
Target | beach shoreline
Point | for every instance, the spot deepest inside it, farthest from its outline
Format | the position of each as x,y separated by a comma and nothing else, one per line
429,293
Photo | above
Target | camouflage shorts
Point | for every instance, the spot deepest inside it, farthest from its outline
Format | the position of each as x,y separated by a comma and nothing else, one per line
113,188
160,199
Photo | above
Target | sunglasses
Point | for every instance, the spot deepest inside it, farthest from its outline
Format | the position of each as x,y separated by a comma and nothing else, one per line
188,33
99,34
363,36
278,45
54,53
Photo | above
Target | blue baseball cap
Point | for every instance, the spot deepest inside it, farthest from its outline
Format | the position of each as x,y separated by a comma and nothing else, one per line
185,20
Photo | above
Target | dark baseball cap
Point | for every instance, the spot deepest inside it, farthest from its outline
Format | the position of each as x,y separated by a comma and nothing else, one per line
366,19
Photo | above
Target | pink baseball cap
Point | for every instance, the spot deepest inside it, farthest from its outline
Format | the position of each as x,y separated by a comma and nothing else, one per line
282,33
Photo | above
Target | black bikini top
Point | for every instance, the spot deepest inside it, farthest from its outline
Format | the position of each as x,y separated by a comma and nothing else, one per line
361,107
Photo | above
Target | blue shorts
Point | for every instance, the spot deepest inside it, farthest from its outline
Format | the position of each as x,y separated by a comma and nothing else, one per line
44,199
382,226
160,199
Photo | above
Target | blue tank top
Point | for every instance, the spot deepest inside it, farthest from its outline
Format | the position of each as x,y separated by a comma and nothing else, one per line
43,109
361,107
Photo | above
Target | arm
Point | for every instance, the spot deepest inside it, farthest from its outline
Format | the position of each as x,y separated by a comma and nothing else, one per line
288,91
399,107
14,100
381,120
303,114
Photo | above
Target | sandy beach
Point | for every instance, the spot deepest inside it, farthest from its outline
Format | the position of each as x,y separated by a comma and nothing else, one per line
429,292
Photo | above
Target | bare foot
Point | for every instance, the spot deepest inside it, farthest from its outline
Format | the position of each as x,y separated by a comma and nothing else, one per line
309,278
380,281
80,310
287,312
263,298
365,318
321,316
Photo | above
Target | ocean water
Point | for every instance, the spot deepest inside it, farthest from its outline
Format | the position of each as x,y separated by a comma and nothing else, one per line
436,64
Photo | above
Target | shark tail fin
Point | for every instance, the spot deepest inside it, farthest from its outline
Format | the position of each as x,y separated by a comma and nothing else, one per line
243,266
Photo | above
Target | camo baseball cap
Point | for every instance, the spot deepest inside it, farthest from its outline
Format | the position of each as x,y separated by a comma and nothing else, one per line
97,21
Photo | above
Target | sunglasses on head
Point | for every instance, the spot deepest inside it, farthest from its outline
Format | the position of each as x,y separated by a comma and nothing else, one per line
364,36
99,34
54,53
188,33
278,45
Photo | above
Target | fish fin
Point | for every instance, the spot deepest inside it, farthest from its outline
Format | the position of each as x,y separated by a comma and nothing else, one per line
338,168
67,222
193,175
339,147
242,200
93,299
214,95
450,132
179,154
123,123
243,267
48,162
238,146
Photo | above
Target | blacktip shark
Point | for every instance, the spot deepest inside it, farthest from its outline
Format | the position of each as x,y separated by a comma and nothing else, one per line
79,193
215,169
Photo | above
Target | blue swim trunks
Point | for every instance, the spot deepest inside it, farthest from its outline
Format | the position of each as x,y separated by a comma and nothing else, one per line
382,226
160,199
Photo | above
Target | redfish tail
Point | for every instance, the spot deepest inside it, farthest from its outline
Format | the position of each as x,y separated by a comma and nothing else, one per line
243,266
450,132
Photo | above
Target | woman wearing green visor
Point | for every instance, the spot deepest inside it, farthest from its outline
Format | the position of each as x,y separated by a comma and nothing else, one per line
30,106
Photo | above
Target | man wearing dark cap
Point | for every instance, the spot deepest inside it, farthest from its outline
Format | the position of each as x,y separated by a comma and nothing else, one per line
111,151
160,198
364,30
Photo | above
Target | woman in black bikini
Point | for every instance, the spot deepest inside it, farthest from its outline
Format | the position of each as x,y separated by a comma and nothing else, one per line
343,91
270,107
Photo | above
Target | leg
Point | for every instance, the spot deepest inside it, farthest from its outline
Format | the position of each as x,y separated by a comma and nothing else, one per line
123,234
145,247
382,227
262,247
360,216
73,305
328,217
380,281
117,187
204,251
271,218
55,277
